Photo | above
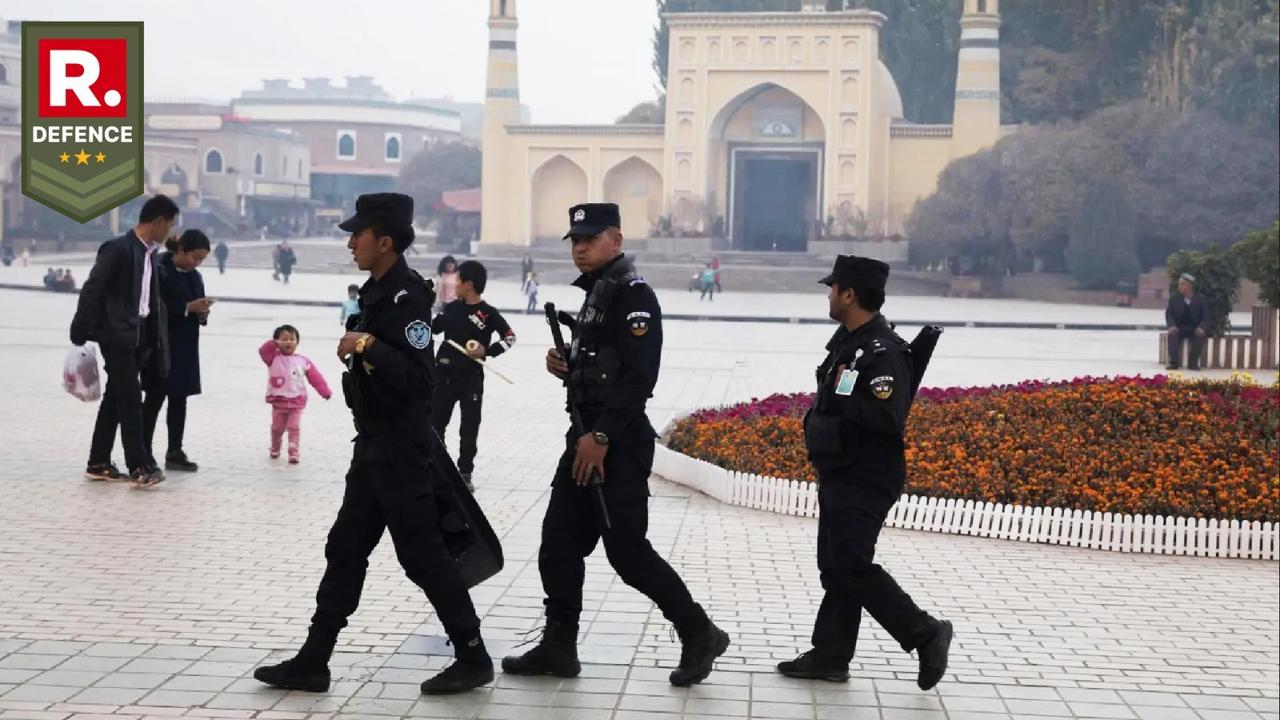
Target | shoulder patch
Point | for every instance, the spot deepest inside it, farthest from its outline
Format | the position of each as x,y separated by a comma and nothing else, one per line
638,323
418,333
882,386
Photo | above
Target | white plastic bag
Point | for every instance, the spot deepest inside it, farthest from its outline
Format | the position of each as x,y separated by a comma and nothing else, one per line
80,372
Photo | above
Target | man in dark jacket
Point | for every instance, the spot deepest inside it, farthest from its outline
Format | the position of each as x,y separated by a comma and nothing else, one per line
611,371
854,434
388,387
1187,316
120,308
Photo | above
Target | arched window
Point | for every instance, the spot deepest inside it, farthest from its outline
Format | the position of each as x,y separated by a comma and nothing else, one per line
258,165
4,74
346,145
213,162
393,148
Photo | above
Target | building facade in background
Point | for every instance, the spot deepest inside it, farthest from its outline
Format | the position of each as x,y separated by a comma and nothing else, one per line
782,128
358,135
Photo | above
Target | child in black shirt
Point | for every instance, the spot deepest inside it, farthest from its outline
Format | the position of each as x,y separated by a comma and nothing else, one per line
470,322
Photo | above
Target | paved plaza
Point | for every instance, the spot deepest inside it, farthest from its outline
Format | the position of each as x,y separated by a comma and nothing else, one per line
118,603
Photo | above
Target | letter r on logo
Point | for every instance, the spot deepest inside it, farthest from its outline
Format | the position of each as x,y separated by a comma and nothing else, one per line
83,77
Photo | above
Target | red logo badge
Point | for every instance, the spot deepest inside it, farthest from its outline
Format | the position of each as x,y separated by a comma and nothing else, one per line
83,77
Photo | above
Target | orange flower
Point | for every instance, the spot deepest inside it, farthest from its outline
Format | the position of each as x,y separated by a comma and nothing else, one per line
1125,445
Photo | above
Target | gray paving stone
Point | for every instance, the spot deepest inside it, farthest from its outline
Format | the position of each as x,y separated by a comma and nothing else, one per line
177,698
109,696
1161,712
1217,714
39,693
1021,707
144,681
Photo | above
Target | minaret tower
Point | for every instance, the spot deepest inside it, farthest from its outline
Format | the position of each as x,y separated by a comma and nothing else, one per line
501,108
976,121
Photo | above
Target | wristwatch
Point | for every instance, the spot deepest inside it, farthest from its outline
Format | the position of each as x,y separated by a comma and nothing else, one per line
600,438
362,343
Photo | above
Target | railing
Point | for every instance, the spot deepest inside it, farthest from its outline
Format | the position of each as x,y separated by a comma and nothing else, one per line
1116,532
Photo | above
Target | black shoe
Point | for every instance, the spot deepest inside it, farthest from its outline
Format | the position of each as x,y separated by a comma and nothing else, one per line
466,480
459,677
700,650
556,654
104,471
1171,366
933,657
812,666
1193,368
147,476
178,460
293,675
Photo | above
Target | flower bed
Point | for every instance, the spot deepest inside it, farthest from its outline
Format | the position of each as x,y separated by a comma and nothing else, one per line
1122,445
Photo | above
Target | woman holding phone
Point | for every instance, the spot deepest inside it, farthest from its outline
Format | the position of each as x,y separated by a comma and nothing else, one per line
182,289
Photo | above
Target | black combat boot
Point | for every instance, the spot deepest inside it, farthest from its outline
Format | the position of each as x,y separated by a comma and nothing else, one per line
295,674
178,460
700,648
933,657
812,665
308,670
556,654
472,667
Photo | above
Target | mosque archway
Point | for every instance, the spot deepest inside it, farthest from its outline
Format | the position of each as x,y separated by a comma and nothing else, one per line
558,184
766,151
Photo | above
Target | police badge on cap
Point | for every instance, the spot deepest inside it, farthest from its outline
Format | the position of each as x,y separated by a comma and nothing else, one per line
591,219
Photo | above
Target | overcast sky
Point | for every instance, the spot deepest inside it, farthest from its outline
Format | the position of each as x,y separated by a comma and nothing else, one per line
584,61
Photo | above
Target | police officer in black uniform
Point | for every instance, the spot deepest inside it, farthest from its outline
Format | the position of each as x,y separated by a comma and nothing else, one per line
470,322
854,436
611,372
388,387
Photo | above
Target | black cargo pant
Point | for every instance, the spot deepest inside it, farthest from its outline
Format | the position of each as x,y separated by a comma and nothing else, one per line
850,517
389,486
465,389
571,529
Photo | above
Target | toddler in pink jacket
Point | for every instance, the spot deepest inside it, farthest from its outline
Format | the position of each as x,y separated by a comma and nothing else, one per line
287,378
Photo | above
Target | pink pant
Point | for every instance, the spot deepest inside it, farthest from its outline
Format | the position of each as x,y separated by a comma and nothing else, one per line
283,419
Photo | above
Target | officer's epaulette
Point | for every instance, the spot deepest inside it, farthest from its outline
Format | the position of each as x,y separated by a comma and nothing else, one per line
428,285
878,347
634,280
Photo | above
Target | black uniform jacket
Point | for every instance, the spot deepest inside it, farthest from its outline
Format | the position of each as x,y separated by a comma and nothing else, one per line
854,431
389,386
620,342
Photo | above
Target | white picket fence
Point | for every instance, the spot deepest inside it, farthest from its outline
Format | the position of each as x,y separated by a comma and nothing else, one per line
1102,531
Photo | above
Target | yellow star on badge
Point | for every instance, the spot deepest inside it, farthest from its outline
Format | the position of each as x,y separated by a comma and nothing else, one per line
100,157
64,157
82,157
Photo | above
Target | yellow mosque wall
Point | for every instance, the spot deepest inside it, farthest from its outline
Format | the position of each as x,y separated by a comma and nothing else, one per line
791,84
